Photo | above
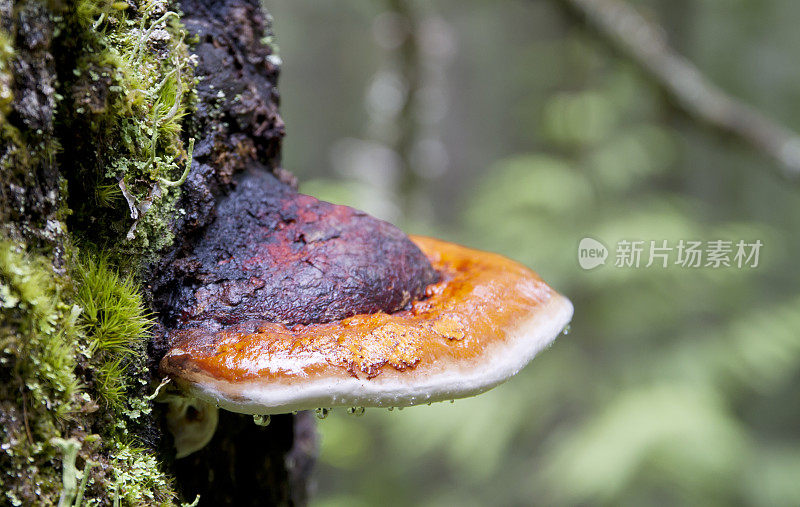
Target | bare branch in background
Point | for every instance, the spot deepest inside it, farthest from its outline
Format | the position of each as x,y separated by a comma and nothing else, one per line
407,122
410,67
645,44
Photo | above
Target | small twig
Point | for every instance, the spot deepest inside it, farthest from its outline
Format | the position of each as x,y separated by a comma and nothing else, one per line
146,35
644,43
25,415
158,389
99,21
193,504
129,198
185,174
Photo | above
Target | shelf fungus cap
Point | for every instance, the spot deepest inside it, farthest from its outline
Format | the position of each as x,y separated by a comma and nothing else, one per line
482,318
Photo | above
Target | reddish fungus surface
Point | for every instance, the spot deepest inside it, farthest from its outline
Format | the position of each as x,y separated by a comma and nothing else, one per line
274,255
481,301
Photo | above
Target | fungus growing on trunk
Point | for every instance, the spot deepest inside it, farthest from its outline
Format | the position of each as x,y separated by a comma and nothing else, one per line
289,303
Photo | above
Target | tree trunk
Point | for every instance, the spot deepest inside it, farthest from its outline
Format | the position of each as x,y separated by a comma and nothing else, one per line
121,123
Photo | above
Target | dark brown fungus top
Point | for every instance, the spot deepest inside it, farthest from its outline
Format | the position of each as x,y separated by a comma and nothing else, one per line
276,255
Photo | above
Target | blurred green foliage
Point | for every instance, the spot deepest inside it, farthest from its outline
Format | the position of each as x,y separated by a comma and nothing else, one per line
675,385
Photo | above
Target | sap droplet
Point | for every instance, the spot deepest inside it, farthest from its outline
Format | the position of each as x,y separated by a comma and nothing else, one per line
262,420
566,330
357,411
322,413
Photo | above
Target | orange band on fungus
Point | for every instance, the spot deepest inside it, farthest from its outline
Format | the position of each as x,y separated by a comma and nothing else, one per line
478,307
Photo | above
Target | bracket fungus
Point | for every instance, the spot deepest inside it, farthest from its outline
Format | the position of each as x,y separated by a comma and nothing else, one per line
290,303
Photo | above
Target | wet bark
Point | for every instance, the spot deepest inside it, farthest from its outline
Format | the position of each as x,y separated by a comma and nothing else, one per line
29,176
237,125
245,464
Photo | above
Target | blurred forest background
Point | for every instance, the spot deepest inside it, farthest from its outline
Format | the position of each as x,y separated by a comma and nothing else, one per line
512,126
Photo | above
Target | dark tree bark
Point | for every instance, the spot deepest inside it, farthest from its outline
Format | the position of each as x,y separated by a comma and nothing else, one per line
245,464
237,126
29,195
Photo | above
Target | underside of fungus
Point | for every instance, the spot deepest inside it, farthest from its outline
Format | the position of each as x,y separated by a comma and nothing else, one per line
290,303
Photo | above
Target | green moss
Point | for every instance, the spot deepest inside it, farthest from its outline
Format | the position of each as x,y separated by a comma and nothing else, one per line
6,93
139,62
111,382
108,195
73,346
130,151
113,314
39,326
138,480
38,334
116,325
65,349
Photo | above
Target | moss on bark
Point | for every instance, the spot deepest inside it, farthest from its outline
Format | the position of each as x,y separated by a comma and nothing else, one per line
99,100
59,334
87,139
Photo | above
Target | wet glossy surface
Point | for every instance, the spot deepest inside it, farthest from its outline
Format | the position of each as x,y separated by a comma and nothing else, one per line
480,299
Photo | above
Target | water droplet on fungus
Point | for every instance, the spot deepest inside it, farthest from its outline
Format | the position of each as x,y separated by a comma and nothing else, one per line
357,411
262,420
